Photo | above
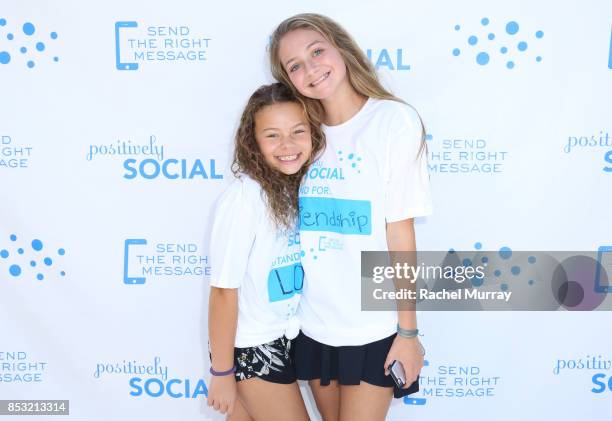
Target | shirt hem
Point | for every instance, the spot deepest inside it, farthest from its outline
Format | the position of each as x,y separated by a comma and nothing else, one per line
248,343
410,214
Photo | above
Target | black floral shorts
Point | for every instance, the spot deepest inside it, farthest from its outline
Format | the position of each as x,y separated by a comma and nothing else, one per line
272,361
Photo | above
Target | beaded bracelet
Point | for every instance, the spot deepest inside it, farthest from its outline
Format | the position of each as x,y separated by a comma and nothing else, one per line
223,373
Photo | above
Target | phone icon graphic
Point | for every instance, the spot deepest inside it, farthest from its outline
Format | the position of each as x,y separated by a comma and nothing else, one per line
604,263
118,27
127,279
610,54
409,400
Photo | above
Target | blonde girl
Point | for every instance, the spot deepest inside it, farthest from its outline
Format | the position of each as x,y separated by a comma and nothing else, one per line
362,194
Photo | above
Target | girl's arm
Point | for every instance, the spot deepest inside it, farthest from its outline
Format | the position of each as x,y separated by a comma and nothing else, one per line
400,238
222,318
233,242
222,321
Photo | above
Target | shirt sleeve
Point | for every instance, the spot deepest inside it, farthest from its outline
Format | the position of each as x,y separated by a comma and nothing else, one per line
407,190
232,235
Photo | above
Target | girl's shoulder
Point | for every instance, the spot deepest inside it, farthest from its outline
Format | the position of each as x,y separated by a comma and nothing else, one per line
396,115
242,190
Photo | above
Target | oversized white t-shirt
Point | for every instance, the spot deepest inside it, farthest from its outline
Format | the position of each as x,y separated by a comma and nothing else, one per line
370,173
248,252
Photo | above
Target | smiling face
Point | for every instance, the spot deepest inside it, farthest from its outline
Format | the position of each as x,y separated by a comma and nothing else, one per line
282,133
314,66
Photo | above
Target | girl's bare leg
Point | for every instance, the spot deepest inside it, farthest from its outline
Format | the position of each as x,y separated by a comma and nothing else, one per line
239,414
267,401
364,402
327,399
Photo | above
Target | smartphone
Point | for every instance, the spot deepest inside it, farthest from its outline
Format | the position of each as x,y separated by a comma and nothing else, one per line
604,263
396,369
118,63
127,279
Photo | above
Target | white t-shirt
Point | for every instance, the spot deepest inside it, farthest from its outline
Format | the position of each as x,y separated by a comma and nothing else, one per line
369,174
248,252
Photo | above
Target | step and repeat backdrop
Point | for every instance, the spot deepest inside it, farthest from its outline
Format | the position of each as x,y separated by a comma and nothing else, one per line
116,125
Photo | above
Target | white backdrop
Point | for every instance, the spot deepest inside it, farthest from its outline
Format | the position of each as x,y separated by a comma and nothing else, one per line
98,99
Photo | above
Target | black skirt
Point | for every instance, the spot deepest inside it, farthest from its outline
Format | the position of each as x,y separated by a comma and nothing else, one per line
349,365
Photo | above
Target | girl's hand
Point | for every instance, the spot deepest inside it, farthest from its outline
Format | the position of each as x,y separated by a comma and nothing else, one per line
222,393
408,352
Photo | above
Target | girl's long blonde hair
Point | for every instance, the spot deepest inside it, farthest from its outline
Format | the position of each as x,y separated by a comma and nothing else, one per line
360,71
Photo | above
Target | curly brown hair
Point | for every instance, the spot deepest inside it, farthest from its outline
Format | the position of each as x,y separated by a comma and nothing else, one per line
281,190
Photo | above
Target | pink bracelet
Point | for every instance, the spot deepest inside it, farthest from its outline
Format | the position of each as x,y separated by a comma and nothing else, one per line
223,373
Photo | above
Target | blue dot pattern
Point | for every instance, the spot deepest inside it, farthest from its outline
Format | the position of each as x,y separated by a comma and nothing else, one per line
477,281
512,27
24,34
505,253
16,270
28,28
484,57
